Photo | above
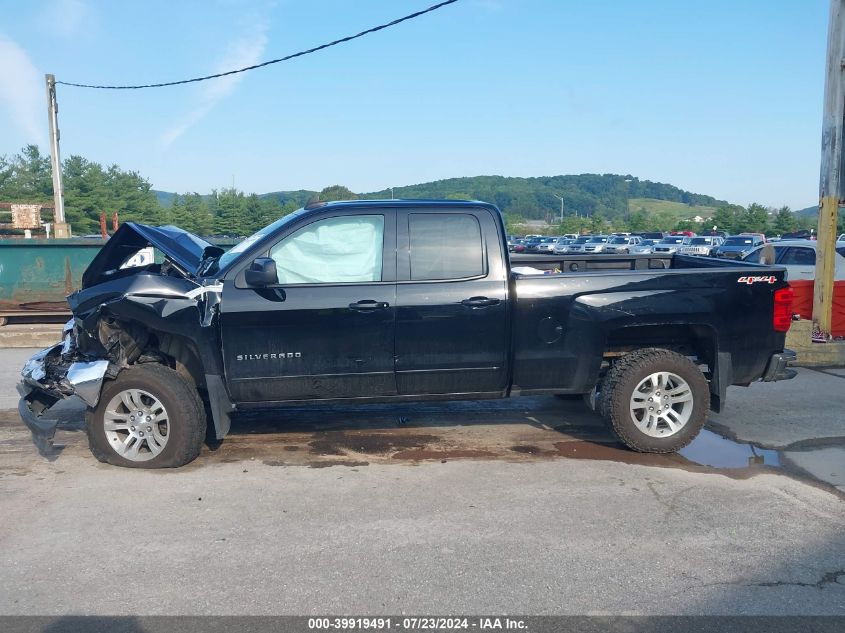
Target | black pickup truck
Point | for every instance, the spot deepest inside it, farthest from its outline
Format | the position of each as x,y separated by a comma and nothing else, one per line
393,301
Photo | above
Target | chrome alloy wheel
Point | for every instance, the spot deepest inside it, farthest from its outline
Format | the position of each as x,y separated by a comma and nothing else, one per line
661,404
136,425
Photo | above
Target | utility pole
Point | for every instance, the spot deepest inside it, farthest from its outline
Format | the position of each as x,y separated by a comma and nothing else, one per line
830,181
561,206
62,228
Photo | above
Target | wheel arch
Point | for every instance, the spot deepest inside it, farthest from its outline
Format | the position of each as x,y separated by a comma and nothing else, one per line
697,340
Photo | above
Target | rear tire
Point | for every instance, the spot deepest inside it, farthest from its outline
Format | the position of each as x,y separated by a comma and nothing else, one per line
147,417
654,400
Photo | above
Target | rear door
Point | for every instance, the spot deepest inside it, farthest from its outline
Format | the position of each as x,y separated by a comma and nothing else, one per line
451,303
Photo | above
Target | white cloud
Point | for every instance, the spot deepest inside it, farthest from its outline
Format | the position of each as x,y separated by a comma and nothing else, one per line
246,50
67,18
22,90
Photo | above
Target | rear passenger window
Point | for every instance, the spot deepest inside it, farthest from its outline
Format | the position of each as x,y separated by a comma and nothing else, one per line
799,257
445,246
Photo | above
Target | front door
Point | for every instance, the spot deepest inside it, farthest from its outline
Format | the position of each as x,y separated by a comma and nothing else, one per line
326,329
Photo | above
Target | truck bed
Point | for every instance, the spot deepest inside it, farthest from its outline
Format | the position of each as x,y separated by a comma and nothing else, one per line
597,306
585,263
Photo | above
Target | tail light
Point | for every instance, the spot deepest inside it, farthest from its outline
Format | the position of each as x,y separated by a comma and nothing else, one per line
782,313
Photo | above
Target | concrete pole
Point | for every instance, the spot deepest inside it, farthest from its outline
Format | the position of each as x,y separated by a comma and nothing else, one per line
62,228
830,182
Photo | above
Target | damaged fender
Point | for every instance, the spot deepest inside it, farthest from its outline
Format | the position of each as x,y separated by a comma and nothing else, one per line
118,316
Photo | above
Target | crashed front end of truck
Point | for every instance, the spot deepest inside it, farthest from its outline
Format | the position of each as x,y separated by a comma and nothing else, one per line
124,316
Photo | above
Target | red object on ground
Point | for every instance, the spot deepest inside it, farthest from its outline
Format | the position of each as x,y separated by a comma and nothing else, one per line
803,303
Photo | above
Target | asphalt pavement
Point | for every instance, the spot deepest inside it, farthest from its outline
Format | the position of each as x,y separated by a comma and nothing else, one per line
524,506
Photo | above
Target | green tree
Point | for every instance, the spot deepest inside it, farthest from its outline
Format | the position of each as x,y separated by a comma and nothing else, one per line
638,221
85,194
191,212
598,223
728,217
230,218
784,221
33,174
755,219
662,220
336,192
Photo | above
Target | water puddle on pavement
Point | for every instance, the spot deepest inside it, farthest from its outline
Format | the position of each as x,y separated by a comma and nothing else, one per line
711,449
709,452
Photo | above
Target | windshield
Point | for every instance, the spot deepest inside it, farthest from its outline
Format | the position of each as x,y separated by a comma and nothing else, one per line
619,240
675,239
583,240
697,241
597,240
739,241
647,243
233,253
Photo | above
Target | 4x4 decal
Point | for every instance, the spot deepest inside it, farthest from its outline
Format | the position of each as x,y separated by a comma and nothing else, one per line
749,279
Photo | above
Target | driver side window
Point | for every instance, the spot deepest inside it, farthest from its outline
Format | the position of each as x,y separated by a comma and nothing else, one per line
331,251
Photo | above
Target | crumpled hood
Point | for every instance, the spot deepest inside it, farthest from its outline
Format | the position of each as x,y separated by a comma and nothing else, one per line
185,249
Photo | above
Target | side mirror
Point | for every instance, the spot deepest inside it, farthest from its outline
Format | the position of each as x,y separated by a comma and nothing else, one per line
261,273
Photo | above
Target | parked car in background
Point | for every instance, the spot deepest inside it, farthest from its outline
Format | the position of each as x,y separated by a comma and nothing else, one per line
547,245
684,233
516,246
531,244
803,234
596,244
841,238
703,245
621,244
578,245
562,245
738,246
670,244
799,258
651,235
646,247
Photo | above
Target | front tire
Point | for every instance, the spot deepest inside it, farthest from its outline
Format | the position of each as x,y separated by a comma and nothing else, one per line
147,417
654,400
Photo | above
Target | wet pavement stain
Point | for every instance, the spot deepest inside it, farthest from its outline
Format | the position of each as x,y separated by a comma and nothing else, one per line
338,442
549,429
707,453
527,449
328,463
422,454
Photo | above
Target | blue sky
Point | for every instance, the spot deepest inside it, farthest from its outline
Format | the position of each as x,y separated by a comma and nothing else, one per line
719,97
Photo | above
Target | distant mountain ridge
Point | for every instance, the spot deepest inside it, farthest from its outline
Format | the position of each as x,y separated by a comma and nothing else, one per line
531,198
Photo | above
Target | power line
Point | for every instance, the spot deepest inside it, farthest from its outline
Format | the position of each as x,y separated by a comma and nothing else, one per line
272,61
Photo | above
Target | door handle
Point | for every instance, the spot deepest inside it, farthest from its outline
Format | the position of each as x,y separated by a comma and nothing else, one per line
368,305
479,302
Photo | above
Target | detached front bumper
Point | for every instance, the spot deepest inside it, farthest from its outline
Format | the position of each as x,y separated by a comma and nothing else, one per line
778,367
48,377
